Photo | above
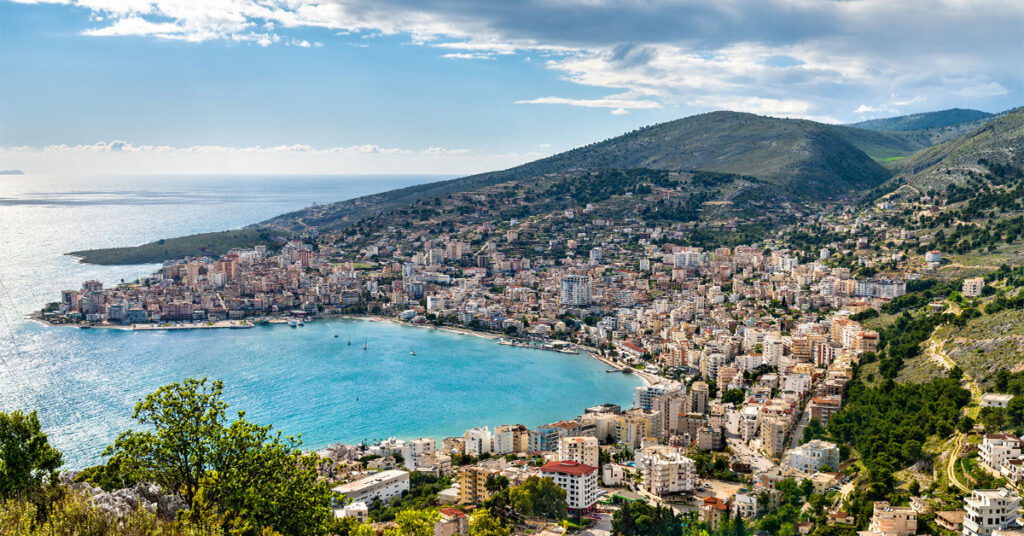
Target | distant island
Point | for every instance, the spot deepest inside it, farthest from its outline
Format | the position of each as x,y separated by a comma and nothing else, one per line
11,172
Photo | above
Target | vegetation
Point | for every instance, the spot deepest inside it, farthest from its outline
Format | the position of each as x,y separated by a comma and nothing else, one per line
27,461
205,244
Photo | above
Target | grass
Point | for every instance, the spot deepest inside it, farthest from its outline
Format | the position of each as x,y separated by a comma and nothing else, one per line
206,244
891,159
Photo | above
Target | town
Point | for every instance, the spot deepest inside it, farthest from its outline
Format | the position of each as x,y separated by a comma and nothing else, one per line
747,354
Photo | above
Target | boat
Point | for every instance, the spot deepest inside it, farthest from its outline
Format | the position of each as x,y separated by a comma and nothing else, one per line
292,323
335,335
364,344
412,353
350,343
300,323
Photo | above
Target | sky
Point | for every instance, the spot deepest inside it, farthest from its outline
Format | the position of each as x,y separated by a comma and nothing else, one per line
457,87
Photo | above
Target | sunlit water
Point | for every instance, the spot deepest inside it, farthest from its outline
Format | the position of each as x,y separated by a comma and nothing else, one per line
303,380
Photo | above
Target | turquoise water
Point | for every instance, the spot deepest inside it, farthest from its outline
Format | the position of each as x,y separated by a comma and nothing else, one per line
302,380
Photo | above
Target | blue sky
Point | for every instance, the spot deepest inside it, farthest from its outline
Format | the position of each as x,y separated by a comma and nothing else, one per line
143,86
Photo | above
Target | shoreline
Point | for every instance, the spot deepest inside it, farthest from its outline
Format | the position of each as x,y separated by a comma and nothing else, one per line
645,377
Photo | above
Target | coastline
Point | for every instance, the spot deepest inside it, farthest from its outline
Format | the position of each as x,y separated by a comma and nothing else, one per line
647,378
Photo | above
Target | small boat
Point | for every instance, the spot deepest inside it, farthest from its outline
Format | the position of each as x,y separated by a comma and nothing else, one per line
335,335
350,343
364,344
292,323
300,323
412,353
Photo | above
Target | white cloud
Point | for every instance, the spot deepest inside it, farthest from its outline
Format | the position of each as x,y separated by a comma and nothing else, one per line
124,157
800,58
621,105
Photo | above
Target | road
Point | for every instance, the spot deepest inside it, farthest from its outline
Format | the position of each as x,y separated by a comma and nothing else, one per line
954,458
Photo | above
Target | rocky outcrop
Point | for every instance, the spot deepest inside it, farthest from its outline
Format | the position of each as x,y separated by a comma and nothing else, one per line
120,503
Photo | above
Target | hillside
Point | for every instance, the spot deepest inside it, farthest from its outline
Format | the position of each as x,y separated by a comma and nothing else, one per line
802,159
924,121
790,159
1000,140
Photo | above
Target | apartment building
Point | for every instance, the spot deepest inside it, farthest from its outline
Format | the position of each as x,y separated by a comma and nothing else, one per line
989,510
579,482
666,471
585,450
383,485
812,456
998,449
888,520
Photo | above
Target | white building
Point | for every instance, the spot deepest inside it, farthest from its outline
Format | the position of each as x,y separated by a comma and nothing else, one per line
583,450
383,485
576,291
989,510
415,448
478,440
579,482
644,395
666,471
995,400
997,449
812,456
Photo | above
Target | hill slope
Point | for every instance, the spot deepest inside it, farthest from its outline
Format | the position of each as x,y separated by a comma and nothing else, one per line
929,120
1000,140
789,158
800,158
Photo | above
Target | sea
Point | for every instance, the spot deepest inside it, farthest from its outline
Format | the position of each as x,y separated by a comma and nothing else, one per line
315,381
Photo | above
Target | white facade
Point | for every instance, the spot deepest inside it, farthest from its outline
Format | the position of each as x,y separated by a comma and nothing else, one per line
578,480
997,449
989,510
478,441
812,456
416,447
383,485
644,395
665,470
576,290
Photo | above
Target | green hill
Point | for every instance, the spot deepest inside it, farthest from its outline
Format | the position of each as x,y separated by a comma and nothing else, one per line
1000,140
792,159
924,121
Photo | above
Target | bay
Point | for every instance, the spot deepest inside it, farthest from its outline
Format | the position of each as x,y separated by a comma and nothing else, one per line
305,380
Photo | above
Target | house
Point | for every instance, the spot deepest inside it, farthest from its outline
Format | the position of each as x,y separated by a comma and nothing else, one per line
888,520
812,456
952,520
714,512
995,400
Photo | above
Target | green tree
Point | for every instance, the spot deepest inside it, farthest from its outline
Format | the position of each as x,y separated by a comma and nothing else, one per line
242,475
641,519
539,497
484,524
27,461
186,421
415,523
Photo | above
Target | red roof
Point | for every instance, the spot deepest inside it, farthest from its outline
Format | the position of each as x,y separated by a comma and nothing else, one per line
568,468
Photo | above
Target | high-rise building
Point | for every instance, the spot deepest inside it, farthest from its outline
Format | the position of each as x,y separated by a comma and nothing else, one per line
583,450
576,291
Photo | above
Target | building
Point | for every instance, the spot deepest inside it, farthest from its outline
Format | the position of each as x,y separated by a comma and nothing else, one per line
414,449
995,400
473,484
383,485
644,395
988,510
812,456
933,257
478,440
972,286
822,408
583,450
576,291
997,449
666,471
714,512
579,482
451,522
888,520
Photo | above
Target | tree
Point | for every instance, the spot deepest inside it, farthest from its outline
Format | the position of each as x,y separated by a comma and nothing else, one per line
27,461
813,430
539,497
415,523
243,475
641,519
186,420
484,524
